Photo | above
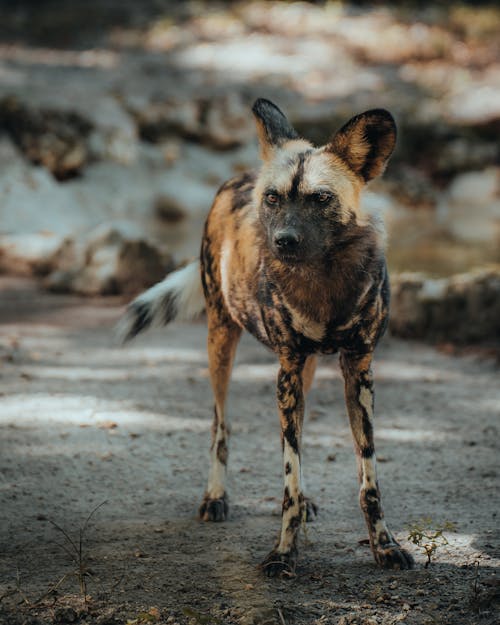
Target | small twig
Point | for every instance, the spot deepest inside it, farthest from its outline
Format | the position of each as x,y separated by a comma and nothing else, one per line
475,588
66,535
282,618
49,591
92,514
82,572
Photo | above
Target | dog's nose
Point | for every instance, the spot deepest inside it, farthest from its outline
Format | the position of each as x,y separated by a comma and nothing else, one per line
287,240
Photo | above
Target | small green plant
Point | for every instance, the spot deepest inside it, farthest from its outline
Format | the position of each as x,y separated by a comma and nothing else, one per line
76,552
429,537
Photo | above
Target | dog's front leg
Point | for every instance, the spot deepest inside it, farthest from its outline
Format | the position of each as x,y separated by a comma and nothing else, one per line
360,399
282,559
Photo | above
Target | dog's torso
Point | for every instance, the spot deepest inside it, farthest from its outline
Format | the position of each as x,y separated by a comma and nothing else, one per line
341,303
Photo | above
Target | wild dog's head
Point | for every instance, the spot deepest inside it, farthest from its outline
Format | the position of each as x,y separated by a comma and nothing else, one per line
307,197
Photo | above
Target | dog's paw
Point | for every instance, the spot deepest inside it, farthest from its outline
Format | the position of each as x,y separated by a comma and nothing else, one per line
280,564
311,509
393,556
215,510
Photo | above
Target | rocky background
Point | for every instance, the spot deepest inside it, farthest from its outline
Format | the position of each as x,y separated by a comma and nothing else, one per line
118,121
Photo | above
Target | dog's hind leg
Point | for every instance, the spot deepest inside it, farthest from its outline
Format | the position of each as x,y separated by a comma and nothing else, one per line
223,336
308,373
359,398
307,380
281,560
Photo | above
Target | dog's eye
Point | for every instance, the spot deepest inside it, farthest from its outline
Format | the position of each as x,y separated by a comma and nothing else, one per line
323,197
272,198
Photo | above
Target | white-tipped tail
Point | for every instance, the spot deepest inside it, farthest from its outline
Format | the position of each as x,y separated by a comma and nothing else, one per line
178,296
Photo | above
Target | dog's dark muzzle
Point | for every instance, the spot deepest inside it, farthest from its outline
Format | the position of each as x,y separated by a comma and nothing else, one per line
287,244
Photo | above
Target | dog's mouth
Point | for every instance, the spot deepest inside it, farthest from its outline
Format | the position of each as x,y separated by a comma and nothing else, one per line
288,257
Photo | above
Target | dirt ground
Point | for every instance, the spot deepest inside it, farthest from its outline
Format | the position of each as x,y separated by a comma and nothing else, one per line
85,423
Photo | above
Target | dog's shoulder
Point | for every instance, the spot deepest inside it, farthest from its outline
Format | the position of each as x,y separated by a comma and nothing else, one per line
238,191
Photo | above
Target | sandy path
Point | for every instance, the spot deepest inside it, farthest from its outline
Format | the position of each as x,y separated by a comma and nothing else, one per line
83,422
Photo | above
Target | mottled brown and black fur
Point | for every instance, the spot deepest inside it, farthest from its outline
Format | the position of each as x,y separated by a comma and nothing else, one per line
289,255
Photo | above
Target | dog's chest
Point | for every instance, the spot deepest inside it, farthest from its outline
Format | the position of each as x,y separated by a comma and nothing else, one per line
263,310
289,326
258,302
259,307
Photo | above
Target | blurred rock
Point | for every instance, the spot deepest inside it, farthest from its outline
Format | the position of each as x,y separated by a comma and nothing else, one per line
159,120
477,102
55,139
114,262
34,254
147,131
33,201
228,122
115,134
112,146
471,208
221,122
171,151
169,210
462,154
464,308
410,186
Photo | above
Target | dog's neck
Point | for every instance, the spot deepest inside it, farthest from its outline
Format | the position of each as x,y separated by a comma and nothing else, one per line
332,288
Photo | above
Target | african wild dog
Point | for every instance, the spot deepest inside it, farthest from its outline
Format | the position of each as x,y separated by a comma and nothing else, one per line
289,255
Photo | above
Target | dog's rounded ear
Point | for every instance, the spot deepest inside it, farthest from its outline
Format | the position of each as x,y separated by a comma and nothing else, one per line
366,142
273,127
